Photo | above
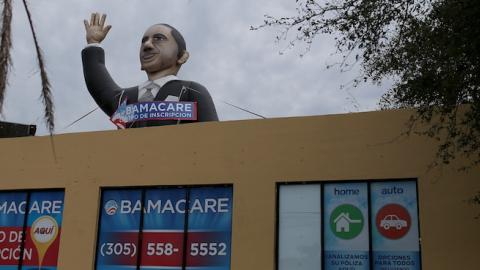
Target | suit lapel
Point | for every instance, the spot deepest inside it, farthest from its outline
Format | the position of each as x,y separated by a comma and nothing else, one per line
171,88
132,94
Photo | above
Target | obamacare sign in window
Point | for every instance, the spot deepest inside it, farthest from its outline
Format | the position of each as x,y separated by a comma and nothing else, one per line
165,228
37,215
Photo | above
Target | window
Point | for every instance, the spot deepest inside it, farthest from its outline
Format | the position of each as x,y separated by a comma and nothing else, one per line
299,223
348,225
38,216
165,228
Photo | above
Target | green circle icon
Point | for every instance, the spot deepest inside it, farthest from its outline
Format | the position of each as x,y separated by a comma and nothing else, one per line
346,221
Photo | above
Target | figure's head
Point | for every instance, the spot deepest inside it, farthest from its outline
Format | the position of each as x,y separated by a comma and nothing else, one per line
162,51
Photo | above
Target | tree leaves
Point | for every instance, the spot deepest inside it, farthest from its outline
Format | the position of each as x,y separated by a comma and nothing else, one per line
431,48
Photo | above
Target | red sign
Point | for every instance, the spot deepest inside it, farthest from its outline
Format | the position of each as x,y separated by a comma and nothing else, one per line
162,249
32,257
393,221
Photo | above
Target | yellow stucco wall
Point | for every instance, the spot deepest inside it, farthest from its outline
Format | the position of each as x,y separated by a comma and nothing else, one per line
253,156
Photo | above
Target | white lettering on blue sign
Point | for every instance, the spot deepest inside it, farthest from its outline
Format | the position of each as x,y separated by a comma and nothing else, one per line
44,207
156,110
208,205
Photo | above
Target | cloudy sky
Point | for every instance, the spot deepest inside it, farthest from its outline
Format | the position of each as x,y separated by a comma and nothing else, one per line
237,65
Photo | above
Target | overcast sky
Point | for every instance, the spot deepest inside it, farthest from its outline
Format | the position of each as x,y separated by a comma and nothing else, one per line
236,64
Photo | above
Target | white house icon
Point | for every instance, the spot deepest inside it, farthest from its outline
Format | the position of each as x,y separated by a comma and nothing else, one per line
343,221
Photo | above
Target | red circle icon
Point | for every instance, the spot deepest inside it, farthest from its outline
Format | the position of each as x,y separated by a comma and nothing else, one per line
393,221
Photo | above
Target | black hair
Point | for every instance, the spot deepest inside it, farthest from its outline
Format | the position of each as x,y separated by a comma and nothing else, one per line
181,45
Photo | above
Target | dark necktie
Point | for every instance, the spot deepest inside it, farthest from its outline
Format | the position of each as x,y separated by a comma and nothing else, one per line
147,96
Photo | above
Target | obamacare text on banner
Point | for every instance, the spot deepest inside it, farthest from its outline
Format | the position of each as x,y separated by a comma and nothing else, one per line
154,110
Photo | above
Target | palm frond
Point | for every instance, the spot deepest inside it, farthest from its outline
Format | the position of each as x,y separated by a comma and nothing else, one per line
46,87
5,46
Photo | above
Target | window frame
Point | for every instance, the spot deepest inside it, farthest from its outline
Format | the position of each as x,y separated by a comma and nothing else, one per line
322,210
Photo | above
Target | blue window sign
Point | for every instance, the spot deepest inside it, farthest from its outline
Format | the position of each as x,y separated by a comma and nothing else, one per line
346,229
30,229
209,228
119,229
165,228
395,237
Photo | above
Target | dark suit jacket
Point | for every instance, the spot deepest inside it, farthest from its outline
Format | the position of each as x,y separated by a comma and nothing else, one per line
109,95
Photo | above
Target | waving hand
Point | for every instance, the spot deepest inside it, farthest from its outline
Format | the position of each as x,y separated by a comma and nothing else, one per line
96,30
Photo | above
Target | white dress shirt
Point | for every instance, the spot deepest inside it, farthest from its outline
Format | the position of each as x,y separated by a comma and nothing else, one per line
155,85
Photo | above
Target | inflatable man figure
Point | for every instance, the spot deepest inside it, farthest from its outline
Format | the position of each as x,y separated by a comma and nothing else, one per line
163,99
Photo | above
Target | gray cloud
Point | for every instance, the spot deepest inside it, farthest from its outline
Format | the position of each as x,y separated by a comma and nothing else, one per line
237,65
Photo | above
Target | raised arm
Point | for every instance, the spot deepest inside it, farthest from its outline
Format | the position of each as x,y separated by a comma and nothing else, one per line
100,84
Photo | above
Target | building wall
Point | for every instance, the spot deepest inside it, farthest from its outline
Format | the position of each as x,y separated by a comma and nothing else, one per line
254,156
